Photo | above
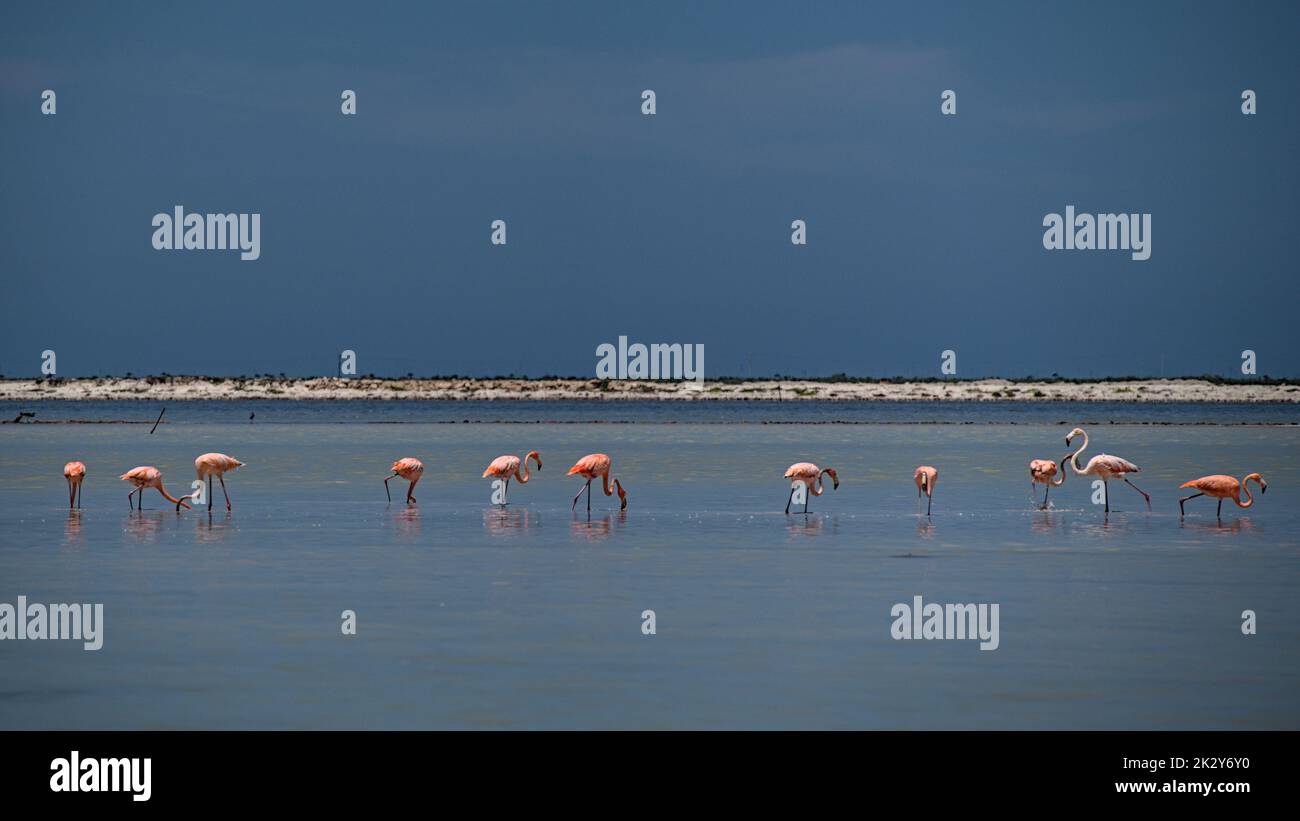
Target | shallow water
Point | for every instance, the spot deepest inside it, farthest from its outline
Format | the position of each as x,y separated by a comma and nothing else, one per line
471,616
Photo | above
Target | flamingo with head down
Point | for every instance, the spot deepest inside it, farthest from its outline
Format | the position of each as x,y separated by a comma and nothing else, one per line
1224,487
410,469
74,472
1041,471
147,476
591,466
811,476
505,467
925,478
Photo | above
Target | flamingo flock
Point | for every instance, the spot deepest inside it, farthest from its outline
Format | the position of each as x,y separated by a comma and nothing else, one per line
1050,474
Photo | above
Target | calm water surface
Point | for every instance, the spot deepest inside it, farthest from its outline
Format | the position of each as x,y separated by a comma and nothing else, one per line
471,616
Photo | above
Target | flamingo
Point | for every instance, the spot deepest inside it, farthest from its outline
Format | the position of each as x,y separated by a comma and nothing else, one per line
74,472
1223,487
1042,470
214,464
925,478
811,476
589,467
503,467
148,476
1104,467
410,469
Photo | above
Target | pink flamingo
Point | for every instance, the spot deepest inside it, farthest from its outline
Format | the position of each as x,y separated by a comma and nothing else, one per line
811,476
1105,467
410,469
214,464
503,467
589,467
1042,471
147,476
1223,487
925,477
74,472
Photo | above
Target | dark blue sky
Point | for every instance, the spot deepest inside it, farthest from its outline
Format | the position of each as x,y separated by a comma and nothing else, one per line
924,231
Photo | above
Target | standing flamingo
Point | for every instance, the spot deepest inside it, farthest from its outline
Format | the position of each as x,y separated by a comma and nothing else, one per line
147,476
925,477
1042,470
74,472
503,467
214,464
811,476
1104,467
410,469
1223,487
589,467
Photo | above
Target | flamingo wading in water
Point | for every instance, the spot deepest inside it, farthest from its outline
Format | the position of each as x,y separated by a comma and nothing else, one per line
410,469
504,467
1105,467
1223,487
589,467
1042,471
811,476
214,464
147,476
74,472
925,478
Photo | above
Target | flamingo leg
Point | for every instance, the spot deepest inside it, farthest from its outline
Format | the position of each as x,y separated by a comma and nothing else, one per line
579,496
222,480
209,492
789,500
1144,493
929,497
1219,513
588,495
1181,502
505,495
409,490
78,495
69,494
1105,492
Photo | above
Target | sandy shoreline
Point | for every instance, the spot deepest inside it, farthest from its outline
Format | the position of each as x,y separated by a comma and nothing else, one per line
180,388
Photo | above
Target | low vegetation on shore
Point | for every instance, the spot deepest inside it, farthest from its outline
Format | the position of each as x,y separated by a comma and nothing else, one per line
840,387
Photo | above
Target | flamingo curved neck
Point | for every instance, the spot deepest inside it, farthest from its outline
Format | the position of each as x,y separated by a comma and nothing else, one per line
1074,457
523,480
1250,500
